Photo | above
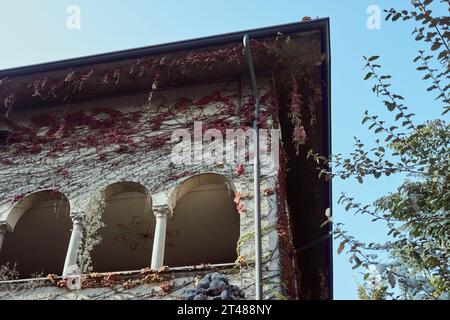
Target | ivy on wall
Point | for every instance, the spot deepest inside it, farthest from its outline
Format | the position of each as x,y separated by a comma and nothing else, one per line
107,138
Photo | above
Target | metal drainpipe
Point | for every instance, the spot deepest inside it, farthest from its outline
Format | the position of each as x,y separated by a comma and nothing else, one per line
256,175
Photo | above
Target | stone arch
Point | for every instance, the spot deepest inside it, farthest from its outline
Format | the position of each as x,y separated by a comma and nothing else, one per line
194,181
127,238
39,225
205,223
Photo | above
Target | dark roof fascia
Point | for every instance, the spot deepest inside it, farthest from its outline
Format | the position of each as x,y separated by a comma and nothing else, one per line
327,147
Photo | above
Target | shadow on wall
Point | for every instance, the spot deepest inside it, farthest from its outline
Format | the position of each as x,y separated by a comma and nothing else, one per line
204,228
205,223
41,232
127,238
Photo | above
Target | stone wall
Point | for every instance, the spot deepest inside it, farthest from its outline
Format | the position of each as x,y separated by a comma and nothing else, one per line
82,159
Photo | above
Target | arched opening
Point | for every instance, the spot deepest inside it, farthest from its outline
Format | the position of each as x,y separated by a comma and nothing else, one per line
205,225
41,231
127,237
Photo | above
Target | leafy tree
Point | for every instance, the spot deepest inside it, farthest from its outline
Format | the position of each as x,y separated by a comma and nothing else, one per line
417,214
378,293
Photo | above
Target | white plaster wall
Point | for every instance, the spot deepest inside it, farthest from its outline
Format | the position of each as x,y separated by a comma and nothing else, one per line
149,168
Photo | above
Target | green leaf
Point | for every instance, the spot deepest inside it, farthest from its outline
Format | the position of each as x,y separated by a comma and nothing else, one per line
436,46
396,16
391,279
390,105
373,58
443,54
341,247
368,76
358,262
447,109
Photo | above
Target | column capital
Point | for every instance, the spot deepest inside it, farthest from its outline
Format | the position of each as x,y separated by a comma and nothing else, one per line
77,217
161,211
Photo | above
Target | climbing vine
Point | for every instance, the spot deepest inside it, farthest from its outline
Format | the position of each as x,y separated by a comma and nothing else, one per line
90,235
68,149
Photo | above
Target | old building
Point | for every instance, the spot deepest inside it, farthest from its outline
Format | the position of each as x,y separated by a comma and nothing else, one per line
89,185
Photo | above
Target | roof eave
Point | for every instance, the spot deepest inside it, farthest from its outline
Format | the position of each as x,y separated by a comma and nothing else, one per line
318,24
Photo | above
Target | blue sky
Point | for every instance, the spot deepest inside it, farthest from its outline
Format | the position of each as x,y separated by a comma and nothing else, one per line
35,31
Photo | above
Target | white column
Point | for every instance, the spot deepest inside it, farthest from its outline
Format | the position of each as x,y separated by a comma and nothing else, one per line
3,232
75,239
159,240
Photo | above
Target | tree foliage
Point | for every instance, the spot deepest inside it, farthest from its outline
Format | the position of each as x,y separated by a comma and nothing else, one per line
417,213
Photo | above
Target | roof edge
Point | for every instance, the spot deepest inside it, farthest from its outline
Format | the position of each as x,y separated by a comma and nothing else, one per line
136,53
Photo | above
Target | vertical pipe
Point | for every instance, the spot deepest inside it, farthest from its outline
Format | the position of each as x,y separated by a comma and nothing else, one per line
256,175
